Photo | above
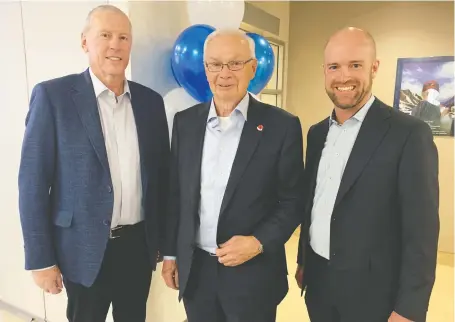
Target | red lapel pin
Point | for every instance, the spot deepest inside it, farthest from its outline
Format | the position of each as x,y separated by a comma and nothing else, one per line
260,127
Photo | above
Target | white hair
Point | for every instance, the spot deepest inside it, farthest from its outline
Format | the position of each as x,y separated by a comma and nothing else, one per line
231,32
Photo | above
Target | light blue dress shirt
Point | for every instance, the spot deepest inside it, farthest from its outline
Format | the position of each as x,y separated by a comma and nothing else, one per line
222,137
337,149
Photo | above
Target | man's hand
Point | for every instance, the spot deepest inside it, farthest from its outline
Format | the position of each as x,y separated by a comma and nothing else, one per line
49,280
238,250
299,275
395,317
170,274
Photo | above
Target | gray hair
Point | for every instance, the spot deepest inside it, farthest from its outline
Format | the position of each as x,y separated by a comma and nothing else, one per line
231,32
102,8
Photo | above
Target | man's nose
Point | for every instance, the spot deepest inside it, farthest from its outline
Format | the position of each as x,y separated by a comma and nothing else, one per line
344,74
114,43
225,72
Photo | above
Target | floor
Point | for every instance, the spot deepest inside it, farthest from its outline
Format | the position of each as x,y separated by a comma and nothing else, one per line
293,308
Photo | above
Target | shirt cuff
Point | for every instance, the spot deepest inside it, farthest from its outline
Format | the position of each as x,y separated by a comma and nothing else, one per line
42,269
169,258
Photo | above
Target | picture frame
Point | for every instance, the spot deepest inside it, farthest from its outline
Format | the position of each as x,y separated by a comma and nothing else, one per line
424,88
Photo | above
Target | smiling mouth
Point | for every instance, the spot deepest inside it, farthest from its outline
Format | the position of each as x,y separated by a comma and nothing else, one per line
113,58
345,88
224,86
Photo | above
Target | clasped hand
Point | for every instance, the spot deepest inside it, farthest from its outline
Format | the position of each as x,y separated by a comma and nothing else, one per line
238,250
234,252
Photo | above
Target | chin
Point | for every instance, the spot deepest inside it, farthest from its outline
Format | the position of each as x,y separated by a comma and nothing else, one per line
115,68
344,106
347,104
225,95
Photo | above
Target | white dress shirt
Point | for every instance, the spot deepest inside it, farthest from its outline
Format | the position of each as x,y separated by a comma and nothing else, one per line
222,137
337,149
120,137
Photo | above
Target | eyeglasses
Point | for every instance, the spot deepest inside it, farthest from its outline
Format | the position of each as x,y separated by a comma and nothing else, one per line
232,65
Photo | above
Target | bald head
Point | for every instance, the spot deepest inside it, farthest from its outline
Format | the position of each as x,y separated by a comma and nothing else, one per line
239,37
353,36
102,10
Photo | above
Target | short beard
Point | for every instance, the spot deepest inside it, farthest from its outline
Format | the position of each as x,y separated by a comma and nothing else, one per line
360,96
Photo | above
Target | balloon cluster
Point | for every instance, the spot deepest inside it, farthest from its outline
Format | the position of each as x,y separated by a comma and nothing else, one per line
187,59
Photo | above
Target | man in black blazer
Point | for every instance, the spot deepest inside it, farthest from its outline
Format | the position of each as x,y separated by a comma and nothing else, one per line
236,170
369,236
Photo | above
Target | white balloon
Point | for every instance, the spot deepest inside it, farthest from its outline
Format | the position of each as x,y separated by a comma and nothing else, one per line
175,101
219,14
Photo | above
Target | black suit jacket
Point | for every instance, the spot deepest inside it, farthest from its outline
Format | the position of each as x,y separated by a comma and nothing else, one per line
261,199
385,217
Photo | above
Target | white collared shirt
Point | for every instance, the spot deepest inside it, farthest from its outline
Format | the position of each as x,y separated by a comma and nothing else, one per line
337,149
222,137
120,136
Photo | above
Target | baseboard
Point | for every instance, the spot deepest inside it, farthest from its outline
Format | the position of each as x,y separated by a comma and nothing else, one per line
21,314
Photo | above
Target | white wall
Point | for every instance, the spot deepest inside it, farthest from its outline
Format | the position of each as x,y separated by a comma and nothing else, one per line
281,10
156,26
16,286
42,41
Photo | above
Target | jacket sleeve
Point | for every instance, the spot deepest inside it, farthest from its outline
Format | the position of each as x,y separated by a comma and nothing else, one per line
172,220
164,178
306,195
276,230
36,174
419,201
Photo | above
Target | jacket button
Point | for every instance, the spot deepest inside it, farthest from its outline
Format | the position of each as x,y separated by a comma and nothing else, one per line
109,188
106,222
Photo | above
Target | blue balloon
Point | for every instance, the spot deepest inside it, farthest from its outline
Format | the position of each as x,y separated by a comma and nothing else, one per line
266,63
173,74
187,61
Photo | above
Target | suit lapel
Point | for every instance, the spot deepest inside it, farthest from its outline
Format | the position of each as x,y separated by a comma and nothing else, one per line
87,107
247,146
370,136
140,116
196,145
319,136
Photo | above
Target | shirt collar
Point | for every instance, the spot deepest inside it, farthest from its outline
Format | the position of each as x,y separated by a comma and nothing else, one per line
359,116
99,87
242,109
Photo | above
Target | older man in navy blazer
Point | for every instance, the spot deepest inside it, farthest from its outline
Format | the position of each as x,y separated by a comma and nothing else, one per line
93,179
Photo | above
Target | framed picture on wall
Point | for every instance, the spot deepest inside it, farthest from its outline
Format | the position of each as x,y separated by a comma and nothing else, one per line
424,88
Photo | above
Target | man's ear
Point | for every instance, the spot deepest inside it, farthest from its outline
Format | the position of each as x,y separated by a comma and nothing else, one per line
374,68
84,42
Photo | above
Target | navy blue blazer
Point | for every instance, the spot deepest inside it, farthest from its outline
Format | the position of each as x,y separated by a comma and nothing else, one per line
65,187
